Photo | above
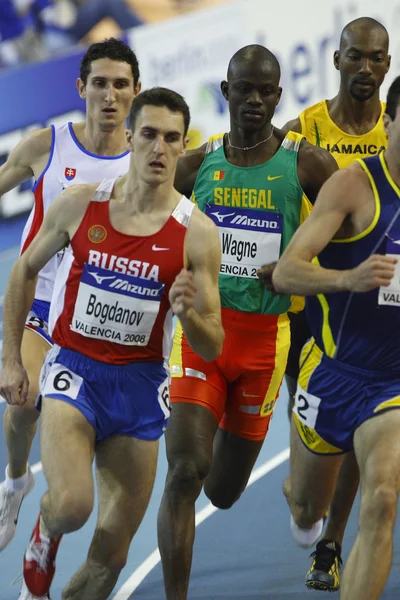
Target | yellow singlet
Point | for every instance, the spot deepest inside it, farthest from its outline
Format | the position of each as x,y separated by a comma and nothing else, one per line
319,129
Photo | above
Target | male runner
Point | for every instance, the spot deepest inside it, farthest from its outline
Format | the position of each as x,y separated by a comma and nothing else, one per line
350,370
349,126
58,157
136,250
251,182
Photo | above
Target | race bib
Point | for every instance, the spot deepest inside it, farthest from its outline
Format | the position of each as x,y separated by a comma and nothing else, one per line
249,238
60,380
390,295
306,407
116,307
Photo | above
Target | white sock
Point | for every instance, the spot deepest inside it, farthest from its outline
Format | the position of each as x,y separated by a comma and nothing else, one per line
16,485
306,538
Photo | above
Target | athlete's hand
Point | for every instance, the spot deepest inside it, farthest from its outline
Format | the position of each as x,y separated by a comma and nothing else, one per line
265,275
377,270
14,383
182,293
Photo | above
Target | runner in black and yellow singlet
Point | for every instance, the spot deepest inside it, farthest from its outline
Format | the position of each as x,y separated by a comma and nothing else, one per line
345,260
349,126
252,182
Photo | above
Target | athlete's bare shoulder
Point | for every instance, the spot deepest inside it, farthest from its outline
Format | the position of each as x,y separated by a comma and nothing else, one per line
200,224
27,159
349,192
293,125
70,206
353,183
187,169
202,236
315,165
35,146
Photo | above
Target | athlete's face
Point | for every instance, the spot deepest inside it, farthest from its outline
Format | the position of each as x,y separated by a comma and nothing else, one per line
363,62
253,93
157,143
109,92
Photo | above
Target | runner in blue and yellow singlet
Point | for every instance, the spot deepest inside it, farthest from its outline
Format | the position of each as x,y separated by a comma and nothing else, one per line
345,260
349,126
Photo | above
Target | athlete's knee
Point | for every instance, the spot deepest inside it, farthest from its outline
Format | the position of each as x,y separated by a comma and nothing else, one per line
186,474
23,417
378,504
72,509
221,493
220,497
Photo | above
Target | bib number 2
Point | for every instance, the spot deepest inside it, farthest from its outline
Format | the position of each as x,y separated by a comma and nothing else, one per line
306,407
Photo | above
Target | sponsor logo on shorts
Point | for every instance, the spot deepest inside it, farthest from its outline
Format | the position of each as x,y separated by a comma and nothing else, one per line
97,234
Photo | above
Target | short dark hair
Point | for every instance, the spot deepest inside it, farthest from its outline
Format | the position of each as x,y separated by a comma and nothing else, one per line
159,96
114,50
393,98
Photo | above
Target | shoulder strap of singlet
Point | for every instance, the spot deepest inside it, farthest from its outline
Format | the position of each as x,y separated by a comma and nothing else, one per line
103,191
215,142
292,141
183,211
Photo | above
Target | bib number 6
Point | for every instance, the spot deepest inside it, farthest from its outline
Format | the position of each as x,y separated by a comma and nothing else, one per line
306,407
163,399
61,381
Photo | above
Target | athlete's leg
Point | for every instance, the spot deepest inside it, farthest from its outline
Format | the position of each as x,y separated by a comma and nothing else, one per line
233,461
377,448
125,469
312,481
20,424
189,442
343,499
324,572
67,450
20,421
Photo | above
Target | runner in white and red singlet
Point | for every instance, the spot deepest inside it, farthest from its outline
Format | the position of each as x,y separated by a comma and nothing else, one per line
58,157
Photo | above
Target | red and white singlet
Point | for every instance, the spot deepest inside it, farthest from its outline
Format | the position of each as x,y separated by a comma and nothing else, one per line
110,298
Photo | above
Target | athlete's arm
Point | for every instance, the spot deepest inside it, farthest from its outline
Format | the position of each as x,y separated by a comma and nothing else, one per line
294,125
343,197
187,169
19,166
315,166
58,226
194,295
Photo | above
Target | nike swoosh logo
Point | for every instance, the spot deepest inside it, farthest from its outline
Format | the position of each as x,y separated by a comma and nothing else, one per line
157,249
250,395
272,178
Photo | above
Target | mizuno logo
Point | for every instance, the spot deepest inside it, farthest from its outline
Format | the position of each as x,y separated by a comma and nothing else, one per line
157,249
275,177
100,278
222,217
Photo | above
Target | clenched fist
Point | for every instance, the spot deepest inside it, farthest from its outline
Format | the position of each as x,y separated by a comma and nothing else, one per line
378,270
182,293
265,275
14,383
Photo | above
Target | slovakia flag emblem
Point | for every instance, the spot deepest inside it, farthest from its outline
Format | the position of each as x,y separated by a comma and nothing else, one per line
69,173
